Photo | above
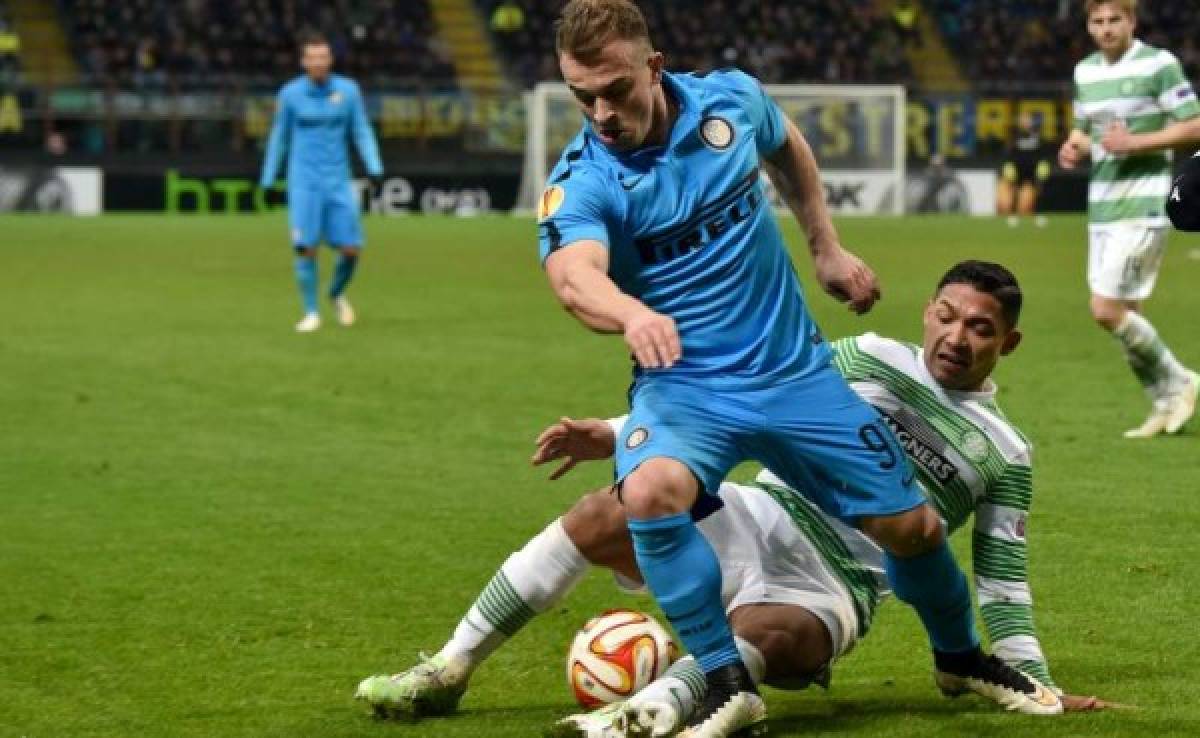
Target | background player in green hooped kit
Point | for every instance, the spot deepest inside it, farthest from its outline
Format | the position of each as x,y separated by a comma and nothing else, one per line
970,459
1133,106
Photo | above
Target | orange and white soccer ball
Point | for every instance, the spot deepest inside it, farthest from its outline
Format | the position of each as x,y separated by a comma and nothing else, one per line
615,655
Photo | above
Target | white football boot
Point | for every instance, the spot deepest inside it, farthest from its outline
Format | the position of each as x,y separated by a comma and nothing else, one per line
1182,405
345,311
309,323
1155,422
991,678
652,718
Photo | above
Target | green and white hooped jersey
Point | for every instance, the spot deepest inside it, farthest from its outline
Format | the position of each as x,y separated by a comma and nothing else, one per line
1146,89
970,460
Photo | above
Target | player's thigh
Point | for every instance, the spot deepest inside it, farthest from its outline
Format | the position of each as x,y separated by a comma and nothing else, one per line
825,440
304,216
695,427
343,225
1124,260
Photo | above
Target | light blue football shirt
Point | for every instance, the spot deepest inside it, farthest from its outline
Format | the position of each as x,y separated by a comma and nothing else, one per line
691,233
314,124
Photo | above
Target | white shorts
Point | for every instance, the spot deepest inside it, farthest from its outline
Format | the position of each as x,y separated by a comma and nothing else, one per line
766,559
1124,259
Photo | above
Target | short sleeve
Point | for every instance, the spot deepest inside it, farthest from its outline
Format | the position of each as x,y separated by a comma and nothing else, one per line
770,127
1175,93
573,208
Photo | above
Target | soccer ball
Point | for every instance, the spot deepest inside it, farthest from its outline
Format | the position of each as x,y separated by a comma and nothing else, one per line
615,655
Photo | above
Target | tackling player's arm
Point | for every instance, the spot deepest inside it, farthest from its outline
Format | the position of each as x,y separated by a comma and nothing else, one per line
277,143
793,169
578,274
1001,564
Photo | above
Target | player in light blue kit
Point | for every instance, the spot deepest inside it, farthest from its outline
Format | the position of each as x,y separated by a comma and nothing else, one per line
654,224
315,116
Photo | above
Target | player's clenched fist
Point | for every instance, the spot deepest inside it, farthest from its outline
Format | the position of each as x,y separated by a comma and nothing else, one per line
1069,155
653,339
847,278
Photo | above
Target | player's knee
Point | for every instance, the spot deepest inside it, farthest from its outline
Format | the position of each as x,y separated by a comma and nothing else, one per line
308,252
1107,313
596,525
657,488
911,533
350,252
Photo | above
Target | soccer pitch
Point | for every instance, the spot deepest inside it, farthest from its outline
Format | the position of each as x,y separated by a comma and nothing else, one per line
213,526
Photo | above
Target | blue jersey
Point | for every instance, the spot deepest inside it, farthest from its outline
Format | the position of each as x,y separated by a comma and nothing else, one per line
314,123
691,234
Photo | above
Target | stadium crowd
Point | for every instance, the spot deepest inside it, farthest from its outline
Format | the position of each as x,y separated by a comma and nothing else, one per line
842,41
10,44
1025,41
145,43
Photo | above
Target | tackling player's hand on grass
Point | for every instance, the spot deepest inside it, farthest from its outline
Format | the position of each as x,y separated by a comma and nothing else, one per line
653,339
845,277
574,440
1076,703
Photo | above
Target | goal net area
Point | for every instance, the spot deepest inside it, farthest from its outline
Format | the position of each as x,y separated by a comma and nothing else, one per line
855,131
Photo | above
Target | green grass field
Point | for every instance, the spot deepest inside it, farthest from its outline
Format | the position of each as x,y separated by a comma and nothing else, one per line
212,526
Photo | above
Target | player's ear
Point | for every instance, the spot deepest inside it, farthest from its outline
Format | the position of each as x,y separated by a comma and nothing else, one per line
656,61
1011,341
927,314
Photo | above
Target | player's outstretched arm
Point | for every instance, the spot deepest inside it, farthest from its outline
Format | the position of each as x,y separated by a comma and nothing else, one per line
1000,555
578,274
793,169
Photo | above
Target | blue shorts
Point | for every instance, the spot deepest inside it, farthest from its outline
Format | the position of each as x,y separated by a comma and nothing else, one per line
815,433
329,215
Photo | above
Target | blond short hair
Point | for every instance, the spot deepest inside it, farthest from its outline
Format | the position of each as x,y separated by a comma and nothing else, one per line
585,27
1129,6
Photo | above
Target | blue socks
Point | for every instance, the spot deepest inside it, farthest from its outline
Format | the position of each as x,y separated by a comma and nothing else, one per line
342,274
306,280
937,589
682,571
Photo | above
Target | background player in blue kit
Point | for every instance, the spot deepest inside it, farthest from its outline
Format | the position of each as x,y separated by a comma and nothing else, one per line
315,116
654,225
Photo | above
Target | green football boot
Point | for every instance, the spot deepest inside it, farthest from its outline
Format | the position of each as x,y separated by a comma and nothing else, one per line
431,688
